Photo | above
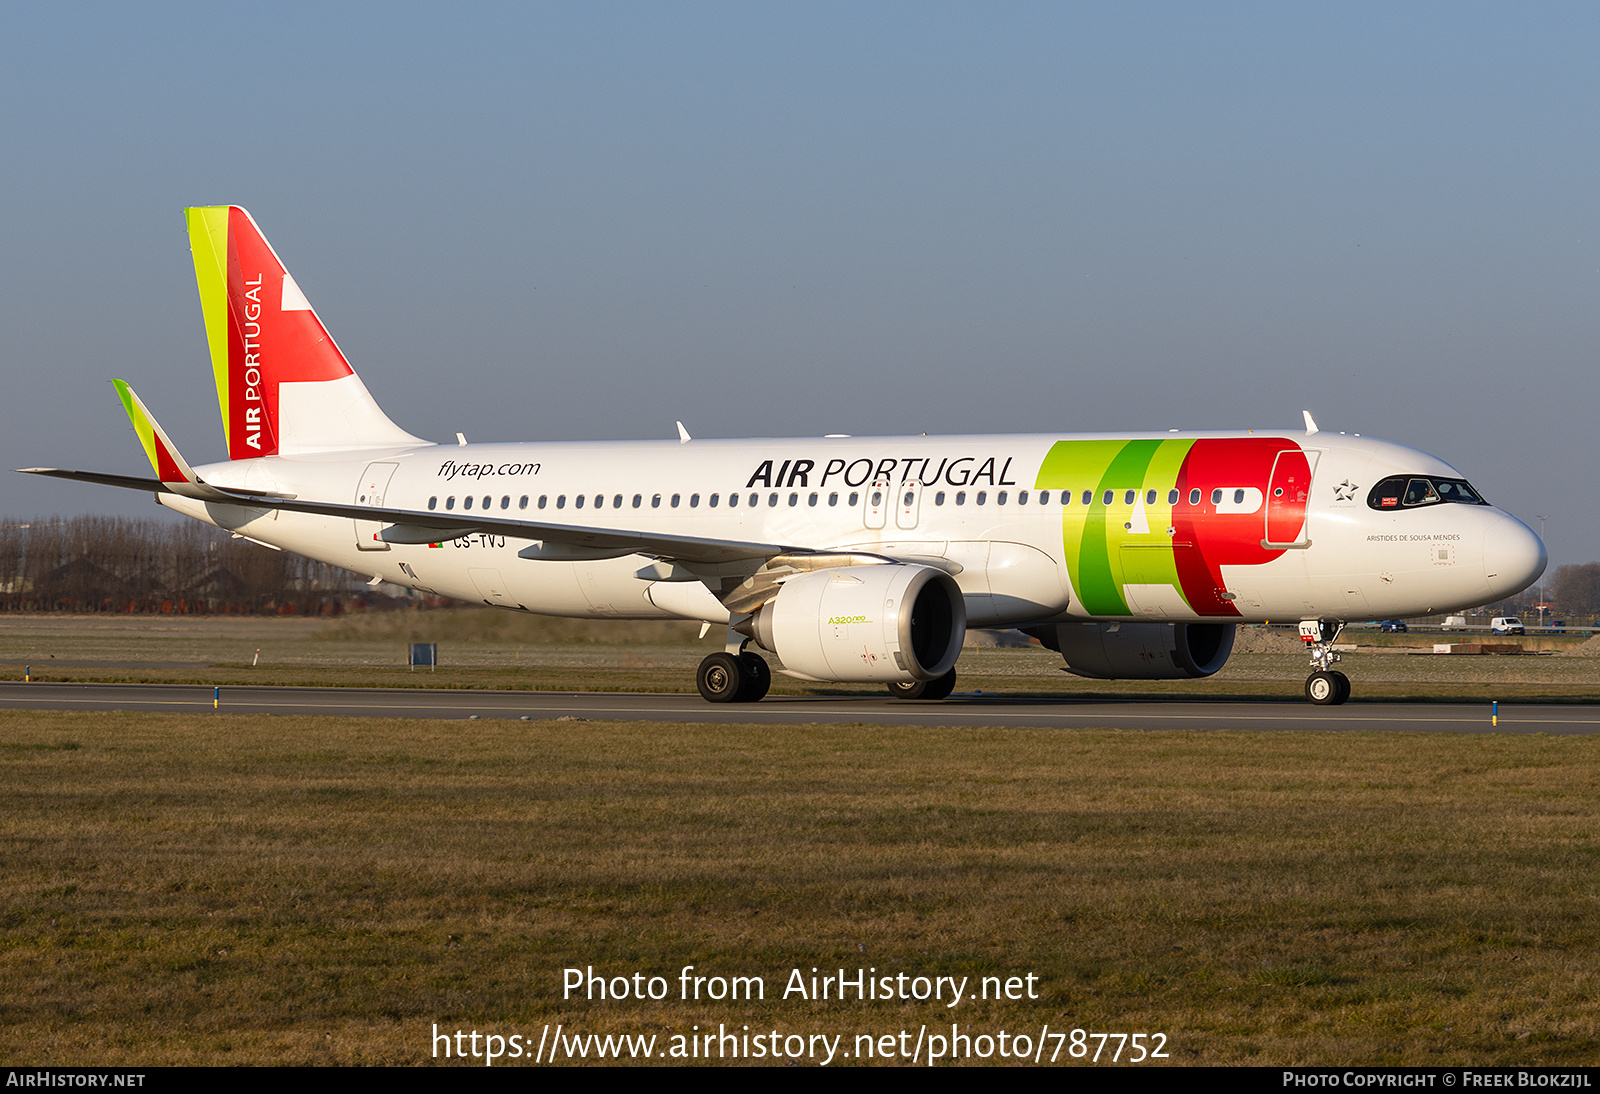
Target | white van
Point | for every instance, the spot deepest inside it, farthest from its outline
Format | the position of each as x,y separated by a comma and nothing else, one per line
1454,623
1507,624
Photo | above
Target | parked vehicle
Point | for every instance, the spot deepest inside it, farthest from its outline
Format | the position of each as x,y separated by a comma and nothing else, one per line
1507,624
1454,623
1392,626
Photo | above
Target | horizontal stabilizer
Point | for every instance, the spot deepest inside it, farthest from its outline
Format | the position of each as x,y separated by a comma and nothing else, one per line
170,467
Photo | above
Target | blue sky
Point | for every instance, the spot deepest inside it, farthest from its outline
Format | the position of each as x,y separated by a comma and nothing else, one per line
588,220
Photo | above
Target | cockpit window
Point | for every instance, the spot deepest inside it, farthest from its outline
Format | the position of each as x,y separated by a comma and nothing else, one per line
1421,492
1412,491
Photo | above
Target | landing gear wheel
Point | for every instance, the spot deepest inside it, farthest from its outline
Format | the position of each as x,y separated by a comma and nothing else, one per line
942,687
926,689
1327,689
720,678
757,678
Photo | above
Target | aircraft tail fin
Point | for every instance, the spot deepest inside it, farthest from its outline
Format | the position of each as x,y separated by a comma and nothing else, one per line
282,383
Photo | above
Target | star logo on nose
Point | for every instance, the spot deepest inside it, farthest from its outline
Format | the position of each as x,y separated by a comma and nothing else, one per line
1345,491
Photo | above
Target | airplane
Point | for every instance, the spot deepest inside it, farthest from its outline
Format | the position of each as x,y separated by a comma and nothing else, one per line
849,559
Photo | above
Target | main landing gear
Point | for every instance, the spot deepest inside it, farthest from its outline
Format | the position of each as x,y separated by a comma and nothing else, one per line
733,678
1326,686
926,689
736,676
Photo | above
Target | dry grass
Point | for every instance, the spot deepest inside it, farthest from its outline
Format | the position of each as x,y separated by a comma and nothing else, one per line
206,889
482,648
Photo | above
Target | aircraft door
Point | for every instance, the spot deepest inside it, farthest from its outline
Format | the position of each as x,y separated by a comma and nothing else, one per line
370,490
1288,492
908,498
876,503
491,586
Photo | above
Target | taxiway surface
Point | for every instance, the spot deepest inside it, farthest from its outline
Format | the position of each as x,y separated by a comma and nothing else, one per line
958,710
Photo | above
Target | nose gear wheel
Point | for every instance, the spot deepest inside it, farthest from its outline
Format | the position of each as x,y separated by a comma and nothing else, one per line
1326,686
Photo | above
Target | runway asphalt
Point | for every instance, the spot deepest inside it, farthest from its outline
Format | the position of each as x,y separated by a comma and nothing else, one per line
958,710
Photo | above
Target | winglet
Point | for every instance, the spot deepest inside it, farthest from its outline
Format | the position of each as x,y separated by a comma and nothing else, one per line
170,466
1311,425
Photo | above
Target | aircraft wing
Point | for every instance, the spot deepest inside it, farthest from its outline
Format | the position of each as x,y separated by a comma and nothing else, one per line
557,541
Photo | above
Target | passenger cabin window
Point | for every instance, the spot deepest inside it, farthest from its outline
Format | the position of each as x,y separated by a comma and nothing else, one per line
855,498
812,501
655,501
694,501
1110,496
1216,496
1172,497
616,502
961,497
487,500
733,501
794,499
675,499
638,500
433,503
1000,498
466,502
1414,491
561,501
577,502
1149,497
523,504
938,499
1194,496
450,502
505,502
833,498
1022,497
1127,498
713,500
755,500
542,499
1088,497
983,496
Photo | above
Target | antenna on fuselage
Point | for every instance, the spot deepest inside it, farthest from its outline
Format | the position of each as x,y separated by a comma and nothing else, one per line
1311,423
683,434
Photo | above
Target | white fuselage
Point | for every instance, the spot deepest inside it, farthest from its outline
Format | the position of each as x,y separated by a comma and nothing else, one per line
958,499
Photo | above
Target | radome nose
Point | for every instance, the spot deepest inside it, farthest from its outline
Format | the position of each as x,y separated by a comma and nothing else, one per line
1513,556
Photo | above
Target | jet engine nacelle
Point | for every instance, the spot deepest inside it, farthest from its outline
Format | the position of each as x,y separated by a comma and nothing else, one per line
889,623
1139,651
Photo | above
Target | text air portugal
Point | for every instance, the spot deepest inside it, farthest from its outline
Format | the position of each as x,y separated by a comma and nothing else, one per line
273,336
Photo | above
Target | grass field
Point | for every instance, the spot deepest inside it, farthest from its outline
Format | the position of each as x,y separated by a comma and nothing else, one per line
481,648
232,889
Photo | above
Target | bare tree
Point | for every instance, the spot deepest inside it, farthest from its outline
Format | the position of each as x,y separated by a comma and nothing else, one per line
1577,588
118,564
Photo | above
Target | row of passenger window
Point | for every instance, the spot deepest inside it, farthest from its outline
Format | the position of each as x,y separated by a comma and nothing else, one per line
980,497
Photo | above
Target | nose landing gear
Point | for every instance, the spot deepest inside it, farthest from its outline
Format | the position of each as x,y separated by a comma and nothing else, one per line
1326,686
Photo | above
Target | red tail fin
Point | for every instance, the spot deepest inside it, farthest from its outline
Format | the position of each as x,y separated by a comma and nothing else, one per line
282,383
